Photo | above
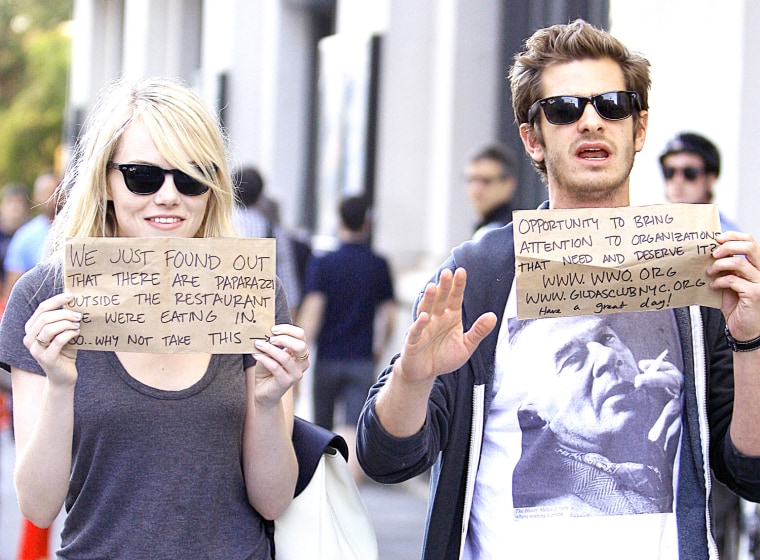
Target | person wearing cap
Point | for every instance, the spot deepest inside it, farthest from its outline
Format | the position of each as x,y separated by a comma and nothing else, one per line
690,165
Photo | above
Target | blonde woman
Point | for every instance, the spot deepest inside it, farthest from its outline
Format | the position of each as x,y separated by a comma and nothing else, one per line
152,455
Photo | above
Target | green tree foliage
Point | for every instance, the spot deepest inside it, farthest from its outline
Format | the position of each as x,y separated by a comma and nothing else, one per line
34,63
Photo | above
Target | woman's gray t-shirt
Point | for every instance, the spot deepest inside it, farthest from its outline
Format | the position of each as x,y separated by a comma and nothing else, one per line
155,474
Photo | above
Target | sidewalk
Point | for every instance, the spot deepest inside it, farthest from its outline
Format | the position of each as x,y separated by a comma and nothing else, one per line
9,518
398,514
9,514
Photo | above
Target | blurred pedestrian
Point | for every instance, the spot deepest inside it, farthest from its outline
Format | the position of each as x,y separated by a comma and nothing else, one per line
348,311
258,216
24,250
491,184
14,212
27,246
690,165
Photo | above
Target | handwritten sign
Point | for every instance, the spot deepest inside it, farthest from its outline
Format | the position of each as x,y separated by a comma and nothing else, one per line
171,295
608,260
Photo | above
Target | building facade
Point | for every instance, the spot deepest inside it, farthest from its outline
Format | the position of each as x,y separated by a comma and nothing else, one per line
389,96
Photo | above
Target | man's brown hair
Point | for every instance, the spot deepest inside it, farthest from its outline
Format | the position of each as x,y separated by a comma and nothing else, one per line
558,44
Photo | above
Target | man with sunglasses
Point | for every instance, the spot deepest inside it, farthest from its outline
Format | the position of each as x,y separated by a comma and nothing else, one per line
491,183
690,165
450,400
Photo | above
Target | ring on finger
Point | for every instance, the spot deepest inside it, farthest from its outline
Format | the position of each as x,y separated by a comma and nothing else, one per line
43,343
304,357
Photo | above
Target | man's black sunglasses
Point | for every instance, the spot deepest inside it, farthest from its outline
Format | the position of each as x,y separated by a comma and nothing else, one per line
689,173
147,179
566,109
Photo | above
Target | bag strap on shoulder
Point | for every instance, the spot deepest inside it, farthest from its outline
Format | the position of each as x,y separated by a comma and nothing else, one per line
310,441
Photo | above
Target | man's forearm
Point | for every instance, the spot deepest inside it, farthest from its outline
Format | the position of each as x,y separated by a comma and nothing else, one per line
402,406
746,417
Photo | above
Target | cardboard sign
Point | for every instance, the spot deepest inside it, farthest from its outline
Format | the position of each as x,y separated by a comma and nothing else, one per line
608,260
171,295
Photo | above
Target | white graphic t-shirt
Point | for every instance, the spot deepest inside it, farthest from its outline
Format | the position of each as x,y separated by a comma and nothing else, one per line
581,442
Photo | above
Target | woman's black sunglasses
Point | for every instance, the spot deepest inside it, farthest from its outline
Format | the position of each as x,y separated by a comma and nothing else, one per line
146,179
566,109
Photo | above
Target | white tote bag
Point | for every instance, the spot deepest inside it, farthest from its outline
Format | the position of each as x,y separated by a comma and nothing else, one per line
327,520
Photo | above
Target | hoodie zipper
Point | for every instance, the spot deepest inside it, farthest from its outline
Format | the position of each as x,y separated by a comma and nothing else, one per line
476,441
700,380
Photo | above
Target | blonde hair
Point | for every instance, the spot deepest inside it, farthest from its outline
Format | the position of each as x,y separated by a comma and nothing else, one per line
179,124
